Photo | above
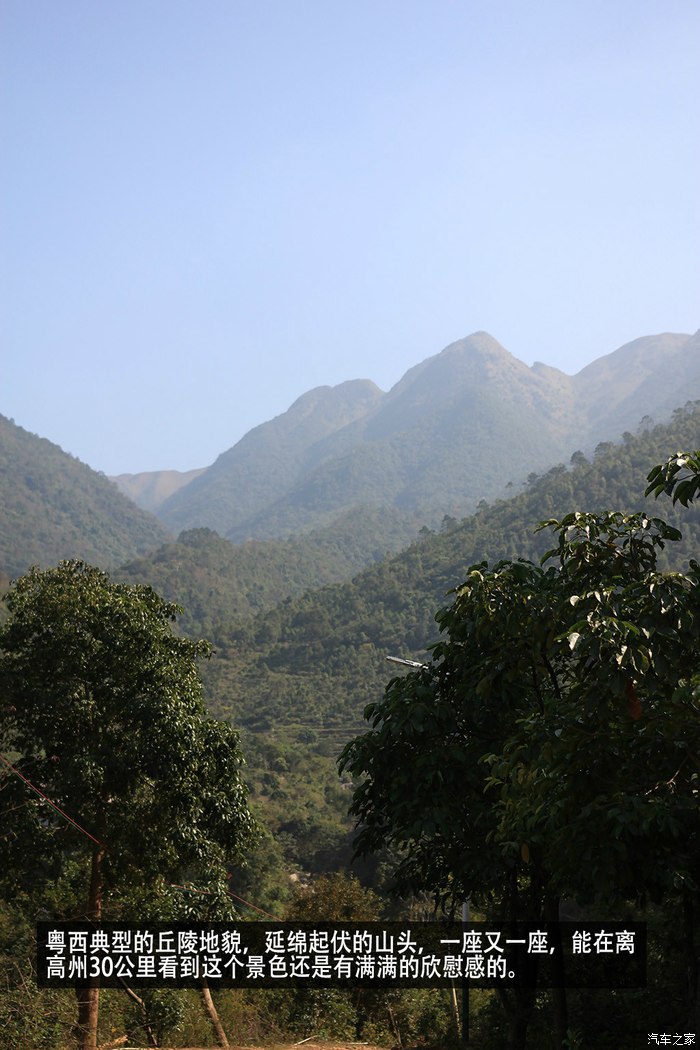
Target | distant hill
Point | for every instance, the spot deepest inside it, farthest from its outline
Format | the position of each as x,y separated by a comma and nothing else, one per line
648,377
268,460
150,489
429,445
218,582
52,506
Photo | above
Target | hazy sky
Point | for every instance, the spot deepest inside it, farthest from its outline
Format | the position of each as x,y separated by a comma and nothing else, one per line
211,206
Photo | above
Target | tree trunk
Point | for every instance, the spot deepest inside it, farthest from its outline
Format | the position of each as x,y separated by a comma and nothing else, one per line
152,1041
518,1004
88,996
558,991
517,1037
213,1015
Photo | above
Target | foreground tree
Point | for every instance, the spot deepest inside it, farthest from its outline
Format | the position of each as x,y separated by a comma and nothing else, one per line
423,788
609,768
102,704
557,719
679,478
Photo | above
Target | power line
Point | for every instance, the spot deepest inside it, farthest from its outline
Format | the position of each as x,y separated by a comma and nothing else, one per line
192,889
187,889
52,804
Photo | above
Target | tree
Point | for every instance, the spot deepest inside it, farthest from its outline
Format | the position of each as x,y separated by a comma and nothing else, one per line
103,705
556,719
424,787
679,478
607,765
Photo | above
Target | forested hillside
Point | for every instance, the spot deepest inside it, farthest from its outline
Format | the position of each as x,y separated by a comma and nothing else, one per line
219,582
297,678
52,506
269,459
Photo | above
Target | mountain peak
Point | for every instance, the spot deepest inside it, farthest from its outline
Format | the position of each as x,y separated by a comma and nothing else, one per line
429,445
481,343
352,392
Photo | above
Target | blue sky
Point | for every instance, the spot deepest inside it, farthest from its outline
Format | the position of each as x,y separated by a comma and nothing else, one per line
212,207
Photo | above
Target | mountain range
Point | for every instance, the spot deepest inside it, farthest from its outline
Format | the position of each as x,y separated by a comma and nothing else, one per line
348,473
453,431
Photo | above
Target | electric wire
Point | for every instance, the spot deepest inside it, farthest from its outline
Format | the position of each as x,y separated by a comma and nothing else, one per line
187,889
50,802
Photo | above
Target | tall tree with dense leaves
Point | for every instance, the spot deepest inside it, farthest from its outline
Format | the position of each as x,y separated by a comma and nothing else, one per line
102,704
679,478
608,768
555,720
602,786
423,789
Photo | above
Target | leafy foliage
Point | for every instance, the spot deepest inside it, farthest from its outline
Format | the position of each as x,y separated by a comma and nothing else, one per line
667,477
103,704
